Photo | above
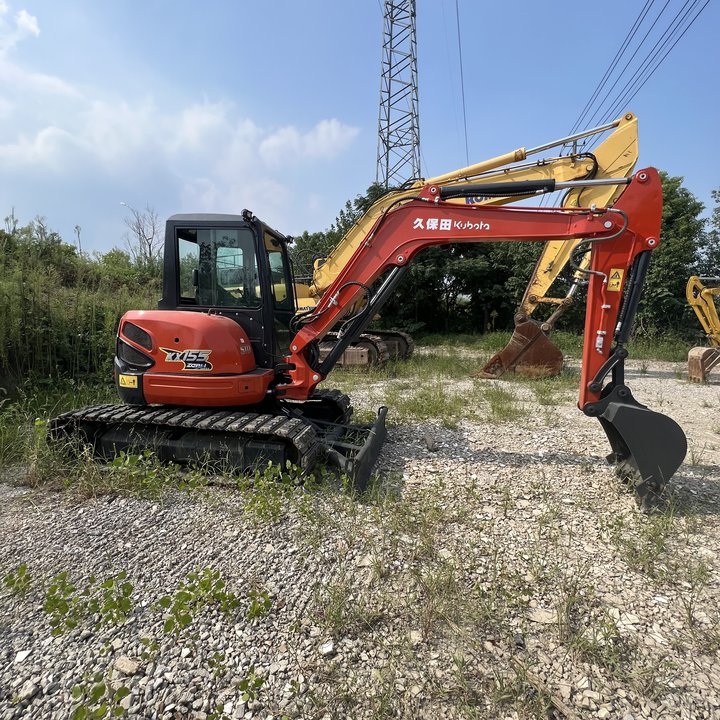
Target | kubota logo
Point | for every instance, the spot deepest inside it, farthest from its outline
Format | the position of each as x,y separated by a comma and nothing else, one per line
191,359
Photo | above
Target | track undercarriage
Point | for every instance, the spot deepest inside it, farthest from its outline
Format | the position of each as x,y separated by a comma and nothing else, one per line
371,349
244,439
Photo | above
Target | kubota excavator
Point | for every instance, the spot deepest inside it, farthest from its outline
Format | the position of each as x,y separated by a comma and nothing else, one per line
701,360
529,347
225,371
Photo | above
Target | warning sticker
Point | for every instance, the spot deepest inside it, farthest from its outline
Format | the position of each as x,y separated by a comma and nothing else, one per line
128,381
615,279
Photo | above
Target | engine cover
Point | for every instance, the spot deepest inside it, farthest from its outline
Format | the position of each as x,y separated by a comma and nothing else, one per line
186,358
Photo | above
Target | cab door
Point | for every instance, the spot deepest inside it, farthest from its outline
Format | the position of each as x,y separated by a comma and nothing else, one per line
281,292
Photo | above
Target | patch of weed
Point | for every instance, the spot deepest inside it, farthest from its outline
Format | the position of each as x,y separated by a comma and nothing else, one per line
98,698
18,581
502,402
426,402
107,601
200,589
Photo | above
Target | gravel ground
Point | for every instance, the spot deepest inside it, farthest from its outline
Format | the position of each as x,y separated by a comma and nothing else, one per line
503,573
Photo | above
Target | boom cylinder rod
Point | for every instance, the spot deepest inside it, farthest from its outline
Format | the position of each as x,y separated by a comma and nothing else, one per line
572,138
591,183
515,156
523,187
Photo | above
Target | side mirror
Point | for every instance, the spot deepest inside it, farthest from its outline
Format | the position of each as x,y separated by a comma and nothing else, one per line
195,281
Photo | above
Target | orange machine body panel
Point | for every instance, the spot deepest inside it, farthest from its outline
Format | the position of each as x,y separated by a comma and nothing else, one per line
198,359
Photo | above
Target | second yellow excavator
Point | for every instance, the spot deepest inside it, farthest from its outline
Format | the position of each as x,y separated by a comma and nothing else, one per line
614,157
701,297
530,351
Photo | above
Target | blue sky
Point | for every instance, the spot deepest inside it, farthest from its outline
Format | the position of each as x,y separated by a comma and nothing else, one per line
220,105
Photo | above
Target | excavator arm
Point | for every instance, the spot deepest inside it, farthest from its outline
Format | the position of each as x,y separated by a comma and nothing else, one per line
701,297
615,157
647,447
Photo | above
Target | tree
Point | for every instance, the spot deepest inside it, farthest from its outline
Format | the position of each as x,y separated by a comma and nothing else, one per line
305,249
663,306
146,236
710,252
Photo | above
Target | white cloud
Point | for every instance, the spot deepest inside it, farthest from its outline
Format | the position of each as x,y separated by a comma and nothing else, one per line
25,25
325,141
213,156
32,84
197,123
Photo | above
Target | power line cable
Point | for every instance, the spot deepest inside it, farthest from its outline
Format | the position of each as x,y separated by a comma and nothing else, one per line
635,88
462,82
450,74
628,39
672,27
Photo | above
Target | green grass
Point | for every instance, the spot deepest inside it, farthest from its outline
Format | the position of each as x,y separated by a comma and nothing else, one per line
42,401
503,403
426,402
667,348
438,363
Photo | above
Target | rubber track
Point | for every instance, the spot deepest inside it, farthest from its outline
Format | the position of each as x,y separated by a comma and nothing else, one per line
379,346
385,334
248,426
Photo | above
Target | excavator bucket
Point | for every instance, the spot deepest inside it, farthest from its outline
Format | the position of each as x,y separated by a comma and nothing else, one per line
529,352
701,360
648,447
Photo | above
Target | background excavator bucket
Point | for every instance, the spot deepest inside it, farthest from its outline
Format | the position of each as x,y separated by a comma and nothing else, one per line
701,360
648,447
529,352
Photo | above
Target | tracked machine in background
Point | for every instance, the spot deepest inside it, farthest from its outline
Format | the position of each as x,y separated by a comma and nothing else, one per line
225,370
530,348
701,293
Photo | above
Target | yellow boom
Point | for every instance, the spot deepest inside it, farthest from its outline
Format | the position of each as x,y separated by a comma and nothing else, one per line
621,153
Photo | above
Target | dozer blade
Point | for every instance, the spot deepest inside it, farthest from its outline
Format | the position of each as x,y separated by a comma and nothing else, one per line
648,447
529,352
357,449
701,360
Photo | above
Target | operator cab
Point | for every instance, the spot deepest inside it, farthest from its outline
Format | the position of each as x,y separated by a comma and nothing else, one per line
235,266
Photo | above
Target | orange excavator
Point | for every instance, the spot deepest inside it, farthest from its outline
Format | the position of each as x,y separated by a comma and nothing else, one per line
227,371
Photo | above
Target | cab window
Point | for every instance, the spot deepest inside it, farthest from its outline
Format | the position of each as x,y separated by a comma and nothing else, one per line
218,267
280,276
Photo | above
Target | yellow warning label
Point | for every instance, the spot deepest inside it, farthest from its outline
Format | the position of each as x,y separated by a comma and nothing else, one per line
128,381
615,279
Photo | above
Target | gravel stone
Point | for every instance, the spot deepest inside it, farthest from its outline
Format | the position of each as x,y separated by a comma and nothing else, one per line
126,666
509,556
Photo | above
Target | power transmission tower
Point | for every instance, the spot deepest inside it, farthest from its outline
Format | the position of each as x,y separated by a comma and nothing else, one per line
398,157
